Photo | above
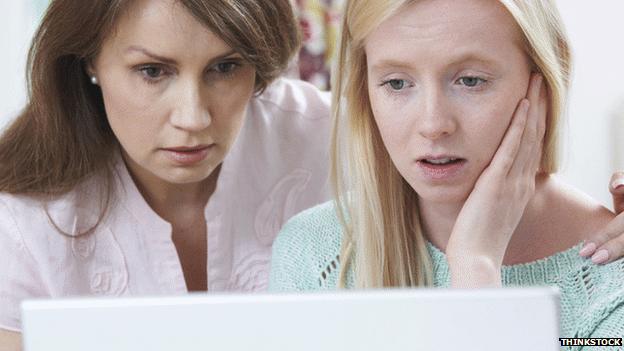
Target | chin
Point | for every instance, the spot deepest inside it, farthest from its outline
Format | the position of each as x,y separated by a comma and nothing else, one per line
442,193
186,175
443,197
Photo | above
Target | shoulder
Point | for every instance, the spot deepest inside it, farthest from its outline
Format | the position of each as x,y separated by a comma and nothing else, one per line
290,124
569,216
296,98
27,224
315,227
308,245
19,211
32,215
582,215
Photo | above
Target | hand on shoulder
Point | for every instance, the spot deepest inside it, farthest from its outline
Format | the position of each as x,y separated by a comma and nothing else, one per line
607,243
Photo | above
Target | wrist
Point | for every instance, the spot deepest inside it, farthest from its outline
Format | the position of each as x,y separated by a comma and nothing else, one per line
478,252
474,271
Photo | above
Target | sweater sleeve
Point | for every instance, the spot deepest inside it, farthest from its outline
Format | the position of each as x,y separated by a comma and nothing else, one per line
289,265
19,276
305,253
612,326
604,317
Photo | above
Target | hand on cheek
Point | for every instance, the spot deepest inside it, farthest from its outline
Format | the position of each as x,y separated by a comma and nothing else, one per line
495,206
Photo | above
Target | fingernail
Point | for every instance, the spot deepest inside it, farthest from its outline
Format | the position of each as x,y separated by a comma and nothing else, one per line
600,256
617,183
588,249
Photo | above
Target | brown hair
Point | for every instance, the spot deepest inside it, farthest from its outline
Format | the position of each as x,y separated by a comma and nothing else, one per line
62,135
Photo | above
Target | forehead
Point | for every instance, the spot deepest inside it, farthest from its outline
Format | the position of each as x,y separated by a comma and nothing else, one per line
443,31
166,26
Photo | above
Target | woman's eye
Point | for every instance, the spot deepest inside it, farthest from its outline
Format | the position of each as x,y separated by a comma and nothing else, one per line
396,84
152,72
226,67
471,81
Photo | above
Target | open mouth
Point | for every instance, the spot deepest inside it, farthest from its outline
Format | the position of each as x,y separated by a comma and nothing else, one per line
442,161
441,168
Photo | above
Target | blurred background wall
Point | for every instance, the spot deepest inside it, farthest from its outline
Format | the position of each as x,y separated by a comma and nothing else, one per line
593,137
18,21
594,132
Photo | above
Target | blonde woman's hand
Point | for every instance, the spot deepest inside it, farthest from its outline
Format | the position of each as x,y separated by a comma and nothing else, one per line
495,206
608,245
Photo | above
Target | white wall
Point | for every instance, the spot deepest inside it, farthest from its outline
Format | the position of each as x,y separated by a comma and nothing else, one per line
596,108
18,20
590,135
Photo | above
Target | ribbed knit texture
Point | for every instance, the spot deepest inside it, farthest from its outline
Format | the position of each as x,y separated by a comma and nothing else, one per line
306,257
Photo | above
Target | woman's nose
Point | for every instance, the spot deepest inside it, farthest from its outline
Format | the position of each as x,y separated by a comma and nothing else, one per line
191,111
436,118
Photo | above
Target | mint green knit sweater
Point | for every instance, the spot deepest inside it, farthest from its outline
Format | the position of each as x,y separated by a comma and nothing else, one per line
306,258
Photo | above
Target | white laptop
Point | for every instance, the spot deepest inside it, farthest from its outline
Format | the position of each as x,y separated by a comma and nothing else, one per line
509,319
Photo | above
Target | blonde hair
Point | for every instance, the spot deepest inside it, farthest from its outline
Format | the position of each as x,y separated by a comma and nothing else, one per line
378,209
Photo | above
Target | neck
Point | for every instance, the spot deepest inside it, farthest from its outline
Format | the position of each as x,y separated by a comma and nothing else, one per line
438,219
175,203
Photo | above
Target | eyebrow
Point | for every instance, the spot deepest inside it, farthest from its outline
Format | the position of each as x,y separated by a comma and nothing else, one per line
144,51
390,63
406,65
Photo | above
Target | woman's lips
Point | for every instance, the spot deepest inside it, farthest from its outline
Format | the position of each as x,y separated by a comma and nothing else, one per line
443,171
187,156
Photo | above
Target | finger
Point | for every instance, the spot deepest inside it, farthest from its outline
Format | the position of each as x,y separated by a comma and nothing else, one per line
609,251
541,128
616,187
537,99
506,154
613,230
529,143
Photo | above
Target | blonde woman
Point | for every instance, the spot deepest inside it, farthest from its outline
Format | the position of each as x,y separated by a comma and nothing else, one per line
443,154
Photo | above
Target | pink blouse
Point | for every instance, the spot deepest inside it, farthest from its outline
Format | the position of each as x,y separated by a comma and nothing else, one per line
277,167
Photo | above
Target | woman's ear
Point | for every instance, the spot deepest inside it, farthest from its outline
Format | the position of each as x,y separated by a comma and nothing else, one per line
90,72
89,68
